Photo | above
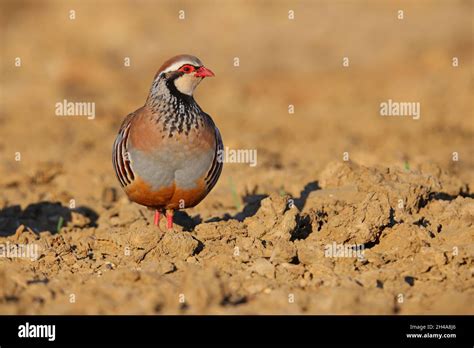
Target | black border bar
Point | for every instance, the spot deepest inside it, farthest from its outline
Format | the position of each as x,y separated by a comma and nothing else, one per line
261,330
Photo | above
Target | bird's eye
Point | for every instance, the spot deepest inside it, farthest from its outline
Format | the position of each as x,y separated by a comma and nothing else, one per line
187,69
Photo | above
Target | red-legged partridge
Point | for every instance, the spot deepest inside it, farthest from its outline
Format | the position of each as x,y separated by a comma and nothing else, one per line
166,153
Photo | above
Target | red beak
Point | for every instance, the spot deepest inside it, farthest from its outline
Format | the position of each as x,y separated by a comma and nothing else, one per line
204,72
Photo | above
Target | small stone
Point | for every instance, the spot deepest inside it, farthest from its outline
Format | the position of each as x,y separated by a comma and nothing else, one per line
284,251
19,231
264,267
109,265
178,245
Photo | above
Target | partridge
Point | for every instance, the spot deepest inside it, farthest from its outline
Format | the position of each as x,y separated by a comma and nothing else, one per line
166,154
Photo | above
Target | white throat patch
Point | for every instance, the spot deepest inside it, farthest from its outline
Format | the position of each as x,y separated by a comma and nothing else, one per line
187,83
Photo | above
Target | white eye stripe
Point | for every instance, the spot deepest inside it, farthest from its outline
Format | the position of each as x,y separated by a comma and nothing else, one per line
173,67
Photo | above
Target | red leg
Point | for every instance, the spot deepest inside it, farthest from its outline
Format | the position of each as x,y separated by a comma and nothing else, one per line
169,216
157,217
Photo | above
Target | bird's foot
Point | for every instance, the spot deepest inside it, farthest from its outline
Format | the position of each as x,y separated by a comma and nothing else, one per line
169,217
156,220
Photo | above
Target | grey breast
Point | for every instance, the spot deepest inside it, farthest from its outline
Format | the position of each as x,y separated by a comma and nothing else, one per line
173,163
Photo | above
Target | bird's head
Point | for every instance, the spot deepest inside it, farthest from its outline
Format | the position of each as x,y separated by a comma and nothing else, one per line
184,72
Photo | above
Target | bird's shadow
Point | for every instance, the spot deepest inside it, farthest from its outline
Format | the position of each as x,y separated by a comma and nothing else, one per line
252,203
41,216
